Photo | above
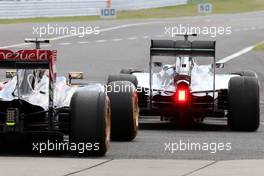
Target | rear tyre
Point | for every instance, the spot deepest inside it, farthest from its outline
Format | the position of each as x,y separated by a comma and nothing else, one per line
90,122
123,77
129,71
246,73
124,111
243,111
126,71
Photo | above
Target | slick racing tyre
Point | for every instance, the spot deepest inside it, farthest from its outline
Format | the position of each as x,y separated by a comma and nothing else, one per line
243,97
90,121
124,111
123,77
246,73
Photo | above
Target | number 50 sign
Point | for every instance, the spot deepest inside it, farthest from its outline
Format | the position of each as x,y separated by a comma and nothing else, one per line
205,8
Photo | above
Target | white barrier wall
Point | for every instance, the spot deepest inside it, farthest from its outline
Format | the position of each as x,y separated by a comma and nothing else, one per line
51,8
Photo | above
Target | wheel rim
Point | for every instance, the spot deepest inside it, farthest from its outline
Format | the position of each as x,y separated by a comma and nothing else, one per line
107,123
135,111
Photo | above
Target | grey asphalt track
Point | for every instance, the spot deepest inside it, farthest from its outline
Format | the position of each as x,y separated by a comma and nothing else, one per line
126,47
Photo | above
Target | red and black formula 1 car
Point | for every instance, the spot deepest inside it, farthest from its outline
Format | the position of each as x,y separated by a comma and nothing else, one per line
34,101
176,88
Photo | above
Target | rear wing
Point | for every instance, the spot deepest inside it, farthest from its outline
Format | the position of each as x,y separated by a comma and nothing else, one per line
182,47
29,59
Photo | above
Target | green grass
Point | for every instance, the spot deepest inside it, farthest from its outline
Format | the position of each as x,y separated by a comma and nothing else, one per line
219,6
52,19
259,47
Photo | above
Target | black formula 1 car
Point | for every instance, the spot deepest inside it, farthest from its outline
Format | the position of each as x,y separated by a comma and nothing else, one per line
176,88
35,102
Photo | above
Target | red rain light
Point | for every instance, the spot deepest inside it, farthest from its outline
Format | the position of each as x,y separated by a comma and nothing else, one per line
182,95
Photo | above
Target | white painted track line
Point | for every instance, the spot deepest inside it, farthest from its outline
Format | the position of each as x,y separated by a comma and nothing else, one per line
100,41
101,30
239,53
16,45
132,38
116,40
83,42
46,45
64,44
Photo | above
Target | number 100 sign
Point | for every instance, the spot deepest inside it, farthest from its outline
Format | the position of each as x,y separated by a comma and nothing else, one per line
108,13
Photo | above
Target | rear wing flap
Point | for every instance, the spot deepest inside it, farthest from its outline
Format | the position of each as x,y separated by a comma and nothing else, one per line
27,59
182,47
